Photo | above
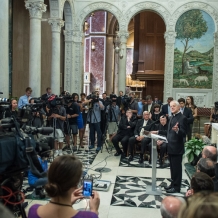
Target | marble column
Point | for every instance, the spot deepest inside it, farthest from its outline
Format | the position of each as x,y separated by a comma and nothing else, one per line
109,64
68,34
123,35
116,70
35,9
77,72
215,70
56,25
4,51
170,37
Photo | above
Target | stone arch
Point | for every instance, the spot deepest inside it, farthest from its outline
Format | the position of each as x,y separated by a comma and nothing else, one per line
137,8
191,6
68,15
78,25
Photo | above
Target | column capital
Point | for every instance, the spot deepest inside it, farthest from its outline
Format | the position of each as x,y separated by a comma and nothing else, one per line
56,24
78,36
216,38
35,8
170,37
123,35
68,35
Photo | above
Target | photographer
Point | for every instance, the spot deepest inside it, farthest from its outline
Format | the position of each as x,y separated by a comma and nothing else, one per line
94,119
113,117
105,101
12,110
133,105
57,116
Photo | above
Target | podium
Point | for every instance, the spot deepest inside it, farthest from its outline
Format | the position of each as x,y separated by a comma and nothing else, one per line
153,189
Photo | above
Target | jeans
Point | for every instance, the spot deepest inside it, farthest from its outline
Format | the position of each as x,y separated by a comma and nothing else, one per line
95,127
40,182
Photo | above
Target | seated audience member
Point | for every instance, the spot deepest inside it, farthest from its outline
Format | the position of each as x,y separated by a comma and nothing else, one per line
206,165
166,108
33,180
139,136
200,182
161,129
12,110
156,113
64,175
125,131
170,207
210,152
200,205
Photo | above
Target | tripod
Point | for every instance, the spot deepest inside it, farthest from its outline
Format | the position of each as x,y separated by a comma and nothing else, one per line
104,135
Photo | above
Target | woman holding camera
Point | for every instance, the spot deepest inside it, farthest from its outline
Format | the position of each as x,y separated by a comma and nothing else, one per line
64,175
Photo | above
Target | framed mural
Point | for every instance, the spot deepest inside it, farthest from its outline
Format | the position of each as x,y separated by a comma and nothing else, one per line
194,51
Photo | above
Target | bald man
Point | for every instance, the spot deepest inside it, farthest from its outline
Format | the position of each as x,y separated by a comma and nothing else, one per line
210,152
170,207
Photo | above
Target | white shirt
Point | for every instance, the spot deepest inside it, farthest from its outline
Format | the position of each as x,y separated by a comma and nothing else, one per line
142,130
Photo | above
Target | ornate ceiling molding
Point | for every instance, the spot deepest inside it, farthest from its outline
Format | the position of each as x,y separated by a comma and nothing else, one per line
80,17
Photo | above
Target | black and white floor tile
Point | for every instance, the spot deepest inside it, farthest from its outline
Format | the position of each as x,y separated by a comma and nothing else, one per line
124,162
130,191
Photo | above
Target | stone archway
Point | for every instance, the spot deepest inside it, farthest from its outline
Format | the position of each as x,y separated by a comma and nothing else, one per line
214,14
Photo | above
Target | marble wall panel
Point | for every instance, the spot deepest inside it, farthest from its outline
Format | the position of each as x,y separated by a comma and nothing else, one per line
97,64
87,52
98,22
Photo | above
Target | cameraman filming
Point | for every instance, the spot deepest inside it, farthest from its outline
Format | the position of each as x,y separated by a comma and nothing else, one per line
57,116
94,119
12,110
133,104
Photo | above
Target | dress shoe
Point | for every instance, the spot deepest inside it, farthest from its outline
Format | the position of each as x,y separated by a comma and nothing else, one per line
130,158
118,154
168,187
91,146
123,155
172,190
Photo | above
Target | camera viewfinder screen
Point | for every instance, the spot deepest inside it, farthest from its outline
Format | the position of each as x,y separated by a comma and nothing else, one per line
87,188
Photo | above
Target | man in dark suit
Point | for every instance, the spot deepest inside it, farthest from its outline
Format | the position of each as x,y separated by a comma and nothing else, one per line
119,99
157,101
176,135
125,131
139,135
47,94
188,113
166,108
150,105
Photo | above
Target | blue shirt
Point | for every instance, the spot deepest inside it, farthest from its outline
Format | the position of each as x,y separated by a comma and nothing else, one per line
140,108
32,178
94,115
169,111
23,100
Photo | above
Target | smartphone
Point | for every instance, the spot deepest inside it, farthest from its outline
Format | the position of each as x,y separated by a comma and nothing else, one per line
87,187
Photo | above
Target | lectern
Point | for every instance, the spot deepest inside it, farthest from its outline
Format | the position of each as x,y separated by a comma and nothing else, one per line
153,189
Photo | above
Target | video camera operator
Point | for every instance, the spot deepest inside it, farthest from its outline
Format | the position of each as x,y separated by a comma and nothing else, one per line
130,103
105,101
12,110
94,119
56,117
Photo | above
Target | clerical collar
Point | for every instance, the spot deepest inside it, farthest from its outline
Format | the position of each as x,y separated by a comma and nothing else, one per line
176,113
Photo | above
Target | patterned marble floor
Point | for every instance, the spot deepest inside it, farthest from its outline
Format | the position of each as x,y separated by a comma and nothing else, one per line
130,191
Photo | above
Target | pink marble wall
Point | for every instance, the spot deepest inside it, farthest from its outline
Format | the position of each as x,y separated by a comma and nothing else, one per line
98,22
97,64
129,60
86,67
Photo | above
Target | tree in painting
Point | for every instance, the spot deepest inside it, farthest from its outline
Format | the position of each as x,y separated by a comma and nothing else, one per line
191,25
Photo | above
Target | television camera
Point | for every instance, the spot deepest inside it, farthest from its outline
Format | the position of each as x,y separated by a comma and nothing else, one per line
18,153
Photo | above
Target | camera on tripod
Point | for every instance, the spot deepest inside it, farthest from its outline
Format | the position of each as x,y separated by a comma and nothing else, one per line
126,101
93,97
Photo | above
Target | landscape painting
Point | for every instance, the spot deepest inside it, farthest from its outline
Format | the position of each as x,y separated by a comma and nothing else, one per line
194,51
